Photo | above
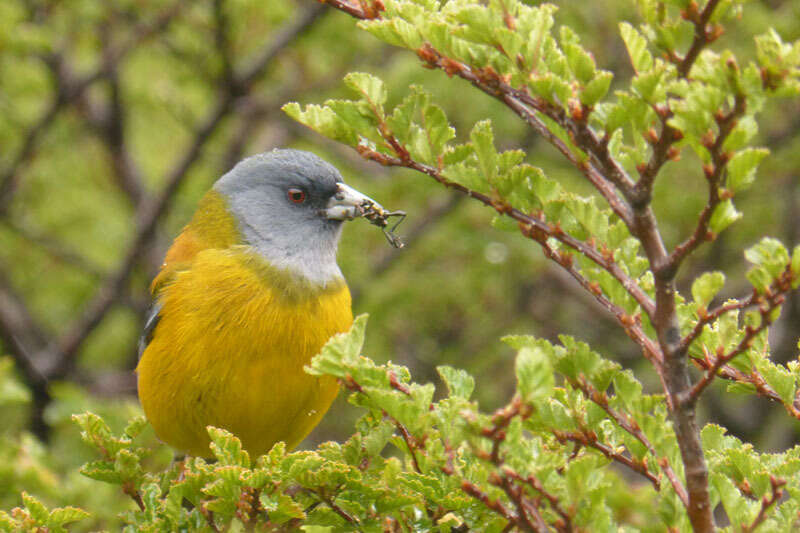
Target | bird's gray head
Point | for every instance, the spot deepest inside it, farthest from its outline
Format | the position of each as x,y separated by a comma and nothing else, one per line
289,205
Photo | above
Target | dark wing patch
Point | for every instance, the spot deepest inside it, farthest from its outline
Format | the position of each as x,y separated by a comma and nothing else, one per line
150,323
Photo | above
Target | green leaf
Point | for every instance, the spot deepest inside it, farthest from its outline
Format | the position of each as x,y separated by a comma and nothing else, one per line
459,383
227,448
628,389
742,167
706,287
641,59
438,129
770,256
135,426
370,87
778,378
323,120
724,215
580,62
552,88
356,115
65,515
36,508
534,374
341,350
483,141
596,90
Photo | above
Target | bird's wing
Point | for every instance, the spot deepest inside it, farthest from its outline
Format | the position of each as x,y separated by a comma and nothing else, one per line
211,228
150,323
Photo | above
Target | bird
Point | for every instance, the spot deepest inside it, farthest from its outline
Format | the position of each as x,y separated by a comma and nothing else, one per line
248,293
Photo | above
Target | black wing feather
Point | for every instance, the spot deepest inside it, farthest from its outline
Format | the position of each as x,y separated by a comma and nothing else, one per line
150,323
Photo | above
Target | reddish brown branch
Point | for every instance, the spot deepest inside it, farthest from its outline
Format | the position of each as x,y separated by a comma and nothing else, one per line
588,438
627,423
534,483
777,485
540,230
129,489
209,516
526,107
495,505
527,512
710,316
508,480
608,178
662,149
772,301
631,325
714,174
703,35
363,10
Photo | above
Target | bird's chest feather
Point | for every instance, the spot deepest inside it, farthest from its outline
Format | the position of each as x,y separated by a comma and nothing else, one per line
230,348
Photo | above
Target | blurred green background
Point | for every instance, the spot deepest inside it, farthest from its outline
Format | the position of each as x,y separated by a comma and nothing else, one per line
115,118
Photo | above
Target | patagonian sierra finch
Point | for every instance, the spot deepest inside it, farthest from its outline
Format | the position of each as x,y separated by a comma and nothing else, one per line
248,293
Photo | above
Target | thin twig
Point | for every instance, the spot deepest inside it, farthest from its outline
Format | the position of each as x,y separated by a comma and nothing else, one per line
495,505
588,438
772,301
627,423
710,316
766,503
529,225
714,174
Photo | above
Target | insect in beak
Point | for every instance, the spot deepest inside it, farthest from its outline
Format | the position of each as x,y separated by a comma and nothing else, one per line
348,204
378,216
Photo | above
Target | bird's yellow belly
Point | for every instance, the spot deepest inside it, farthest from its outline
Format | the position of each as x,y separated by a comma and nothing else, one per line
229,351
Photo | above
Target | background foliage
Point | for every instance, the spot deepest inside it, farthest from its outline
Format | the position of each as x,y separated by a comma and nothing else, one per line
116,117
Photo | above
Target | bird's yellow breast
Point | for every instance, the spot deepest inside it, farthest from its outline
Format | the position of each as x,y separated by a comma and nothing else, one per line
229,350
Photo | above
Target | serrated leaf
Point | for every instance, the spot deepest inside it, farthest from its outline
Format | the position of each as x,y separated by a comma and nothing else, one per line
779,379
135,426
483,142
370,87
323,120
36,508
534,374
459,383
341,350
438,129
580,62
101,471
627,388
706,287
770,258
227,448
641,59
742,167
596,90
65,515
724,215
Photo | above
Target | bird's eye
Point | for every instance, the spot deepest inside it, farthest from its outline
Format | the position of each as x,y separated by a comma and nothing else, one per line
297,196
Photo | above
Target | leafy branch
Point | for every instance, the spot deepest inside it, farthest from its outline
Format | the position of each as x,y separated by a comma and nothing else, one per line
699,98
